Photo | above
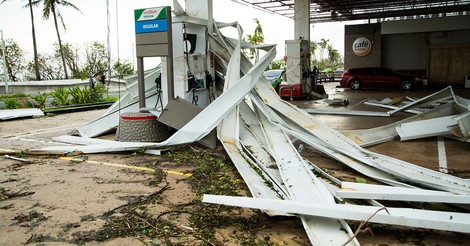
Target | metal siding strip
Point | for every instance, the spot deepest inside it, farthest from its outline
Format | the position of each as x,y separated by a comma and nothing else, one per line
441,153
438,220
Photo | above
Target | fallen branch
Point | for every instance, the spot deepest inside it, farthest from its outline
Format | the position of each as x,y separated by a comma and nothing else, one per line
29,152
359,228
139,202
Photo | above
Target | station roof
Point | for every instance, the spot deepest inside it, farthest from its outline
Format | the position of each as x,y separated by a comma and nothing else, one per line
344,10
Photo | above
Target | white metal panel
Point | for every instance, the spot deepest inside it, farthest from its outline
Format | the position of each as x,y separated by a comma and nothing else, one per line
346,112
206,120
7,114
330,150
401,169
441,154
464,125
228,134
412,111
367,137
110,119
320,231
438,96
438,220
425,128
382,192
302,185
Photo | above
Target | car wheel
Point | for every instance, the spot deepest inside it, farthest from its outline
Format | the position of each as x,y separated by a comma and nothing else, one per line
406,85
355,85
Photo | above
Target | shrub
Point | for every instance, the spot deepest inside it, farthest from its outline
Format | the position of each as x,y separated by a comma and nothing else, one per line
79,96
61,96
14,95
40,99
97,93
11,104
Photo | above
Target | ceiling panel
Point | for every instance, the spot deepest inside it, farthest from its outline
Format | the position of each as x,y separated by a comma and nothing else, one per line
343,10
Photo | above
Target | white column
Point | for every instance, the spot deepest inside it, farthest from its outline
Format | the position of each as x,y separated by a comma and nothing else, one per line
302,19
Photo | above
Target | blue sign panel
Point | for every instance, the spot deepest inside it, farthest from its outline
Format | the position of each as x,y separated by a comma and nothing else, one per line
151,26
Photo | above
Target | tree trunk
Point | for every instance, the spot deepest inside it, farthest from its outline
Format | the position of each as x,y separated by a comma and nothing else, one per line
35,48
60,44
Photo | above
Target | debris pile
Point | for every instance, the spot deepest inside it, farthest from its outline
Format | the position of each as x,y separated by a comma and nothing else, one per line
256,129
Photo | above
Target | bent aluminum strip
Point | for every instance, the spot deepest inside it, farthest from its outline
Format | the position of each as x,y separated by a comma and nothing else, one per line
401,169
204,122
383,192
438,220
381,134
228,134
303,186
346,112
426,128
328,149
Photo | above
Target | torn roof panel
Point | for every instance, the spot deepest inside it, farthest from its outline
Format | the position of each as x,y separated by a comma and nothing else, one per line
8,114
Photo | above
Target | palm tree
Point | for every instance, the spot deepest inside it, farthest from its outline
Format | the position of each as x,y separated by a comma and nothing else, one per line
256,38
51,6
35,48
313,49
334,57
323,44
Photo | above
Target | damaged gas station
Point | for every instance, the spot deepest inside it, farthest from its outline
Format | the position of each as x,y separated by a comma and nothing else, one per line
371,167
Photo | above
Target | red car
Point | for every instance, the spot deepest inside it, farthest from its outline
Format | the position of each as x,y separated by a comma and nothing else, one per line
377,77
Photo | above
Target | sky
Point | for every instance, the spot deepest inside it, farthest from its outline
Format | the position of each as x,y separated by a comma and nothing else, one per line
91,25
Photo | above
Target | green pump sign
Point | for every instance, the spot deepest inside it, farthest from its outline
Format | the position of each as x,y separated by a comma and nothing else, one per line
151,20
150,14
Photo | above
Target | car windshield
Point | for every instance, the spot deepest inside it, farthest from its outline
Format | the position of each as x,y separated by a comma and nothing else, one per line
272,74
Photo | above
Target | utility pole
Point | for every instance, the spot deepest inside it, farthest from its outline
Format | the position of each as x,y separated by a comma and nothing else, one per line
5,74
133,57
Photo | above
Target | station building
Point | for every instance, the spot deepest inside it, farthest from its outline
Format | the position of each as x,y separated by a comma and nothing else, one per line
437,49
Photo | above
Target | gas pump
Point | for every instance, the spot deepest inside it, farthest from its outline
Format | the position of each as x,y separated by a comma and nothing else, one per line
298,85
193,67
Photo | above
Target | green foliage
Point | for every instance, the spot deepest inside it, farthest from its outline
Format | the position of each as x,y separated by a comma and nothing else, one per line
256,38
278,64
81,73
30,104
14,95
96,58
40,99
51,65
110,99
121,69
361,180
51,7
60,96
79,96
11,104
15,62
325,55
49,68
87,94
96,94
70,56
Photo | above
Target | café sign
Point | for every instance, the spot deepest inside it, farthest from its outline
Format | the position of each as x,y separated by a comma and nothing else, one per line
362,46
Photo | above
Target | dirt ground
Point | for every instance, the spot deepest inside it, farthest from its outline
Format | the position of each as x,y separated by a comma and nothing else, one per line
138,199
